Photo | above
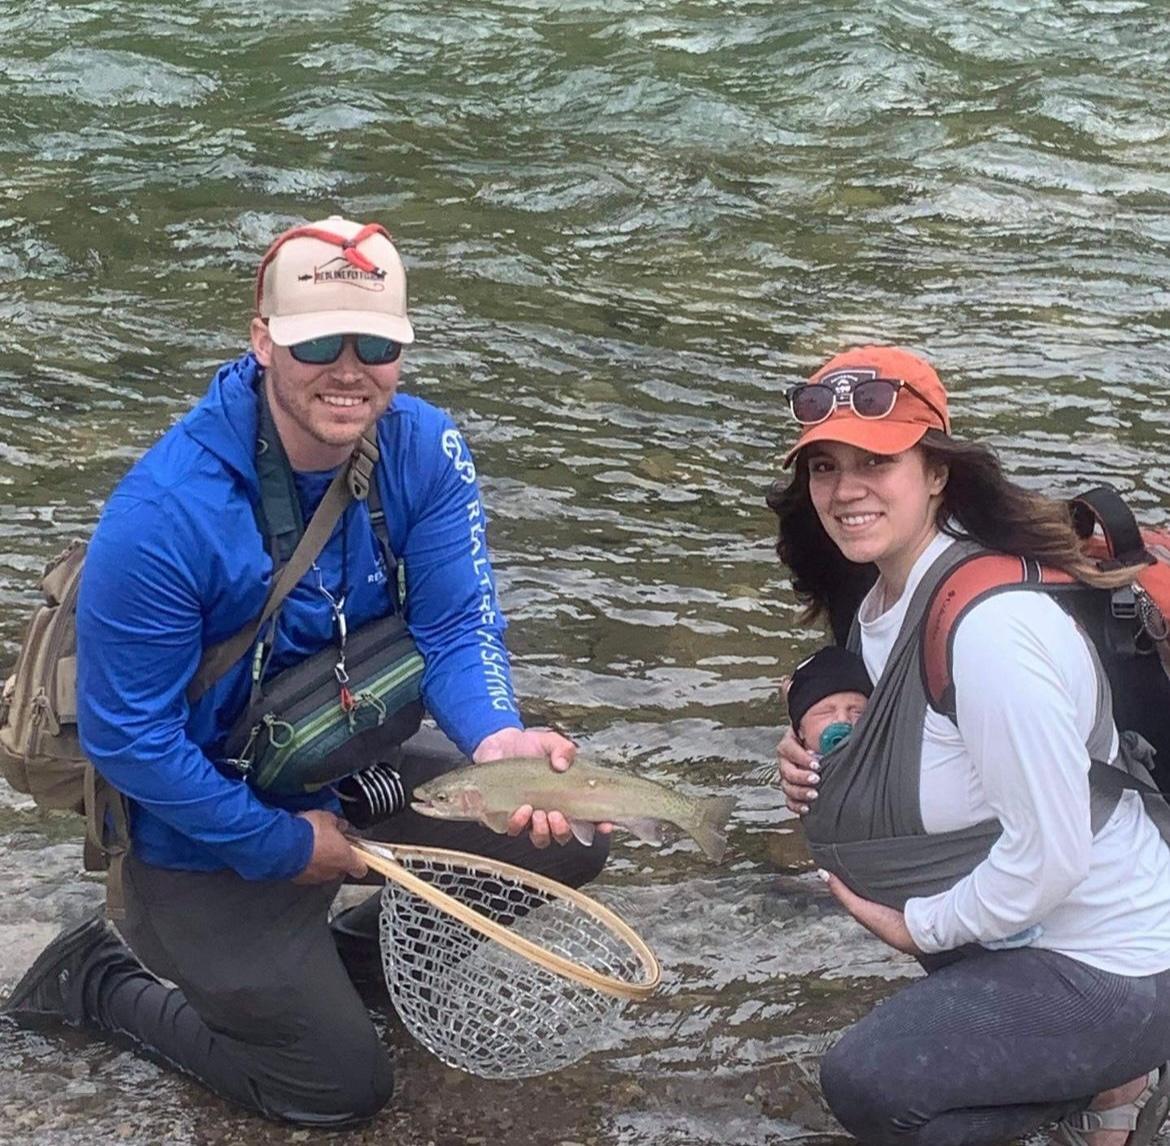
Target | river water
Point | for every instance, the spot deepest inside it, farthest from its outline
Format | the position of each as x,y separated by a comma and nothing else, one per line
628,225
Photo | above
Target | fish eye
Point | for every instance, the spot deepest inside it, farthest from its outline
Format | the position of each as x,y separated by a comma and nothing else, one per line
441,797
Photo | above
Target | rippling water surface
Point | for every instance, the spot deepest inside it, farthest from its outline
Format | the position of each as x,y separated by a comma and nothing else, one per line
628,226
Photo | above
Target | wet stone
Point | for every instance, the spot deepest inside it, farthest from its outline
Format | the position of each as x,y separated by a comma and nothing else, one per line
80,1091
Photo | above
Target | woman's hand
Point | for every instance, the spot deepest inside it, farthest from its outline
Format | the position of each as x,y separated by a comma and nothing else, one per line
887,923
798,772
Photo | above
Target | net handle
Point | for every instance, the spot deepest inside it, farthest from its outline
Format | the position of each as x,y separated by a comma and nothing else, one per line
380,858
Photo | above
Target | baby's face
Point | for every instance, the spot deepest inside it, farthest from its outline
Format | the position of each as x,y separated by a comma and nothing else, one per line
845,707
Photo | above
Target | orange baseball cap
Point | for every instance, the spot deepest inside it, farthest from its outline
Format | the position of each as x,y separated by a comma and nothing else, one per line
920,405
333,277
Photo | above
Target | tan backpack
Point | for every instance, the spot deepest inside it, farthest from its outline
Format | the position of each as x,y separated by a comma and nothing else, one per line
40,753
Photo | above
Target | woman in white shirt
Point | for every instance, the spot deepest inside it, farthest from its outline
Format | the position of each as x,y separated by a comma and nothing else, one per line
1049,992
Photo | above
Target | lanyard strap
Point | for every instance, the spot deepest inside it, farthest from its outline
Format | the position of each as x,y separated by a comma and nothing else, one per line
352,482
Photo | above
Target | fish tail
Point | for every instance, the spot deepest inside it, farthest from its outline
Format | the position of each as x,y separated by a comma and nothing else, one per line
708,827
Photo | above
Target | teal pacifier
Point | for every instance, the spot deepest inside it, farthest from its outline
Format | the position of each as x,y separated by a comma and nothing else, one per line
833,735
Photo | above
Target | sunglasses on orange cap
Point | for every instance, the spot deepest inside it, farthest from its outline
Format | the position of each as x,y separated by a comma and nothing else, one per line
870,398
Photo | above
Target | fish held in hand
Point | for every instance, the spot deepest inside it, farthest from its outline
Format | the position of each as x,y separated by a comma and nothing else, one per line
586,794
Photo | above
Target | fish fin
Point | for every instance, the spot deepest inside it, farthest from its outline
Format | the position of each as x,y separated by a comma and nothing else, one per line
583,831
646,829
709,827
497,821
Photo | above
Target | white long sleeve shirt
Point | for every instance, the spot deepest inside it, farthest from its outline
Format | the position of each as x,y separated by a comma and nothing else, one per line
1026,696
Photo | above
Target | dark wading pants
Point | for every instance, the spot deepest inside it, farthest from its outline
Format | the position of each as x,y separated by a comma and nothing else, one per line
264,1012
992,1046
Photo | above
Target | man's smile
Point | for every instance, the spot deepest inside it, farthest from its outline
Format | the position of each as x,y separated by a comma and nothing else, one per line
343,400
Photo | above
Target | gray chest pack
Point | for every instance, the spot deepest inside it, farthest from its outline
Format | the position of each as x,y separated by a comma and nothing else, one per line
866,823
345,707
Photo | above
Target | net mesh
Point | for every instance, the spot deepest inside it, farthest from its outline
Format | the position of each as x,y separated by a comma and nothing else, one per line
480,1006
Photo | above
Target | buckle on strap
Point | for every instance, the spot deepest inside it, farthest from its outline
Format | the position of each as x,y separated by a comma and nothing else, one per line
1123,603
361,468
1120,1118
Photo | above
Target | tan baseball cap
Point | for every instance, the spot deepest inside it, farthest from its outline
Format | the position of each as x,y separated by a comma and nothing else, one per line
333,277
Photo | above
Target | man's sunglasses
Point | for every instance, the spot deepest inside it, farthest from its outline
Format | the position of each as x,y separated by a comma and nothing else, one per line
813,402
371,349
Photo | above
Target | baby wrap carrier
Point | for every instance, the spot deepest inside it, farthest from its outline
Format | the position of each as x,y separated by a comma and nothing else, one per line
866,823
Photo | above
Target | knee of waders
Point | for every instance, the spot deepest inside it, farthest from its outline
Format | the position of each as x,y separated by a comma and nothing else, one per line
337,1094
378,1090
587,862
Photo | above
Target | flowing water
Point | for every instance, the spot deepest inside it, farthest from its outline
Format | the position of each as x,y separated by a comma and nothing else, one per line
628,225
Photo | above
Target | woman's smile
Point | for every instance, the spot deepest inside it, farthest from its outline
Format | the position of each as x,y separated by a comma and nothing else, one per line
857,520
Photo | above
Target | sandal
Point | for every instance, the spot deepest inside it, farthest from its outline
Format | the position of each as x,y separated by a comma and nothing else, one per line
1143,1117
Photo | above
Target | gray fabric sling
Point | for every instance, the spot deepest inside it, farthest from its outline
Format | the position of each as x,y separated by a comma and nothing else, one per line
866,823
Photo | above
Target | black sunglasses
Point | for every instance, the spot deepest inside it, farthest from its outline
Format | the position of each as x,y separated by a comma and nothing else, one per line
813,402
371,349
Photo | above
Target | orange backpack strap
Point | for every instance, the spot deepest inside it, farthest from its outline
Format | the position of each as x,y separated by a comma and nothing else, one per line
971,581
1110,534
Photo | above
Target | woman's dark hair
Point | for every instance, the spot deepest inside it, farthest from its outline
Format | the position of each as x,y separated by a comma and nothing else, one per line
979,502
823,579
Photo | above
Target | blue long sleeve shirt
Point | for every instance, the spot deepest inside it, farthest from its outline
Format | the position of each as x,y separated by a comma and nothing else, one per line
178,562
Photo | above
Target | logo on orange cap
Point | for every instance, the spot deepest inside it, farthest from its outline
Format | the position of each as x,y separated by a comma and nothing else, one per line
843,380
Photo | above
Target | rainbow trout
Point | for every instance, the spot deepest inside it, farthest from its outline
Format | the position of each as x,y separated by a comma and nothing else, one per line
587,795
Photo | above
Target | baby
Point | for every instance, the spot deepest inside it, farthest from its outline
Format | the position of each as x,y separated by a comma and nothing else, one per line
826,694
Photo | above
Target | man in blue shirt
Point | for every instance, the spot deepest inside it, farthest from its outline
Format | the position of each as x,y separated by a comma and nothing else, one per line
227,888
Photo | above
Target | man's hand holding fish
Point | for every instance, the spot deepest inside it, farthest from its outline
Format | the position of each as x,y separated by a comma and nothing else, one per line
543,826
588,797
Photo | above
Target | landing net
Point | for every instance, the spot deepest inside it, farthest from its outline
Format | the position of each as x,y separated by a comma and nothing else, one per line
527,979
